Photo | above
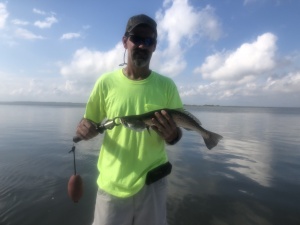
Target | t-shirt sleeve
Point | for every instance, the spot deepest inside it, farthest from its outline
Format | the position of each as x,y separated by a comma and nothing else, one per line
95,107
174,100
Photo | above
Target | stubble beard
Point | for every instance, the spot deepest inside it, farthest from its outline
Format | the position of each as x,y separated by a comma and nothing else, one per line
141,59
140,62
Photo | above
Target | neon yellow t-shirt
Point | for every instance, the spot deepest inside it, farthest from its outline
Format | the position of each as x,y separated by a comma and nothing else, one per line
125,155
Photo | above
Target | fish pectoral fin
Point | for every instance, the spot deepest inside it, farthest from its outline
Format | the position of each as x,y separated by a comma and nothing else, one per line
148,129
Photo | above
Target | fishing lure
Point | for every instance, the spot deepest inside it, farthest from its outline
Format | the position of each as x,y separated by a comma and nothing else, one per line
75,184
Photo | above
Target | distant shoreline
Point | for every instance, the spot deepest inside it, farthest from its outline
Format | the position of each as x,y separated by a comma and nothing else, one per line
203,105
78,104
72,104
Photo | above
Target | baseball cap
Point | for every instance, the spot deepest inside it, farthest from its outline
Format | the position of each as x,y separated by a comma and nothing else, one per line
134,21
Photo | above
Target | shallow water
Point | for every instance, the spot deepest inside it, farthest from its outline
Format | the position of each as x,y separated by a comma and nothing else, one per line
251,177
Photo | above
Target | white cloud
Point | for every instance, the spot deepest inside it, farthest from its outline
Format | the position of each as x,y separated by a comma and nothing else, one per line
169,62
181,34
172,29
282,91
3,15
25,34
236,75
89,65
19,22
182,22
37,11
271,91
286,84
253,74
69,36
249,59
47,23
42,89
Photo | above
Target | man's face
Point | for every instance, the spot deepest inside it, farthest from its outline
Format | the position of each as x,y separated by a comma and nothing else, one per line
141,43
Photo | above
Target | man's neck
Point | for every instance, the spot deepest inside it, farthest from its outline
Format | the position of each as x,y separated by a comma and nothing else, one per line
136,73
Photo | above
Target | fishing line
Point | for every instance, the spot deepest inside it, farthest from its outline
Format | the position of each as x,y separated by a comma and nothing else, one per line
74,161
75,184
124,63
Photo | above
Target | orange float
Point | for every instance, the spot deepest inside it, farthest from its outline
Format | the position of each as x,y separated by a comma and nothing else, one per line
75,188
75,184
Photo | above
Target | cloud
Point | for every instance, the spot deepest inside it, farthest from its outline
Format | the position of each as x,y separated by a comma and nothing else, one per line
19,22
169,62
47,23
37,11
287,84
88,64
69,36
25,34
253,74
196,23
51,89
3,15
237,76
168,59
47,88
249,59
267,89
271,91
177,35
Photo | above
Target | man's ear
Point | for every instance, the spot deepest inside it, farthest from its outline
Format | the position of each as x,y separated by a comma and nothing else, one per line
124,41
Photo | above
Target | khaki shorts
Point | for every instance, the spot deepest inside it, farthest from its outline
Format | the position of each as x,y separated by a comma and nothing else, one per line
147,207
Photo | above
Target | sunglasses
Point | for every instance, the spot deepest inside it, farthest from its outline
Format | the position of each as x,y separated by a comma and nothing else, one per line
137,40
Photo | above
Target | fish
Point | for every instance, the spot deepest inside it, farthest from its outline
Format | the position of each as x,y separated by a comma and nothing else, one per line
181,117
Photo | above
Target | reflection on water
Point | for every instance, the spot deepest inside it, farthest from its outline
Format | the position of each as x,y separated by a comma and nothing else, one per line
239,181
256,166
251,177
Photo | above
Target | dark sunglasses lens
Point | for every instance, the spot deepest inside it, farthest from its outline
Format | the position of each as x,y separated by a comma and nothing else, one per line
135,39
139,40
148,41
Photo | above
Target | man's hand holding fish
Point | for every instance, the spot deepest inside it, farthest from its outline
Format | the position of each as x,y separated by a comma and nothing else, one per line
164,126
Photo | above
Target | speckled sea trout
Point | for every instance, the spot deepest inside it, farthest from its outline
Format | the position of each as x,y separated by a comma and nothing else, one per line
182,118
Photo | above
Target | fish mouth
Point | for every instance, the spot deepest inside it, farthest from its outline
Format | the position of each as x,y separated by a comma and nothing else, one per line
123,122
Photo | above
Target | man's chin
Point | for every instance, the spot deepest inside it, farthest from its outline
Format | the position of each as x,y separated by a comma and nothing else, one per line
141,63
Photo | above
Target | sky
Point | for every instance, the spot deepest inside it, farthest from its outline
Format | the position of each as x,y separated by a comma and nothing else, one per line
228,53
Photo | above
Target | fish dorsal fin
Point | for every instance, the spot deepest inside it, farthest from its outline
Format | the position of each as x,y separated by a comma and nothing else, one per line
182,110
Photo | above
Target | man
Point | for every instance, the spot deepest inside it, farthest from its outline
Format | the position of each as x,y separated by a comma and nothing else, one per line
126,156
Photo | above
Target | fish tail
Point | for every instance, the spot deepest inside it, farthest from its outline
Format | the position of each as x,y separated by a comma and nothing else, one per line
212,139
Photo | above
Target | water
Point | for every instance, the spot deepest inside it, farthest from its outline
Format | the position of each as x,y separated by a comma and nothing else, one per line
251,177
